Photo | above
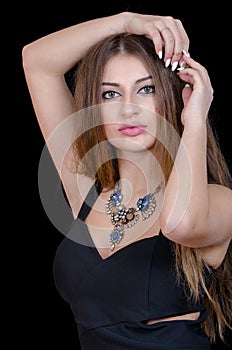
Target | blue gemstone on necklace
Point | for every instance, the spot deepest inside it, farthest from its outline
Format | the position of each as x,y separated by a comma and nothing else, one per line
116,197
115,234
143,203
123,217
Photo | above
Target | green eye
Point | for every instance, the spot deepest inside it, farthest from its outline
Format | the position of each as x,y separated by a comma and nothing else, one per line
148,89
109,94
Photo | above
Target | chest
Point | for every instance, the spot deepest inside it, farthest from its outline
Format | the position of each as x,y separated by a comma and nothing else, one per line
100,228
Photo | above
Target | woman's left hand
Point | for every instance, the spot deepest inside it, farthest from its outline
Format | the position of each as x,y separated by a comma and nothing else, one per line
198,93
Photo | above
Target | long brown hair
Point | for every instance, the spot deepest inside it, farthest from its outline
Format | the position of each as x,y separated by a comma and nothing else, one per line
100,162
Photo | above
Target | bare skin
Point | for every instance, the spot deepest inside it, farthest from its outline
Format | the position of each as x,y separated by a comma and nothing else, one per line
204,219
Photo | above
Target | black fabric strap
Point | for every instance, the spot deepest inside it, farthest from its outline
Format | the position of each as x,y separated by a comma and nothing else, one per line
89,201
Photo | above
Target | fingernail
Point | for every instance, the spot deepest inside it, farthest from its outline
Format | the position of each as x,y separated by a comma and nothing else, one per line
187,54
167,63
160,54
174,65
182,64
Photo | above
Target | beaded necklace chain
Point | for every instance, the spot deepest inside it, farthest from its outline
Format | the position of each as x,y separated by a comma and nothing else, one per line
123,218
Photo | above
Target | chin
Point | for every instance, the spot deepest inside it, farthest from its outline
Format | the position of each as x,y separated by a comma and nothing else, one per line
133,144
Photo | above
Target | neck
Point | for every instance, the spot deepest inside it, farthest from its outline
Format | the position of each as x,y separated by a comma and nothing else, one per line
141,175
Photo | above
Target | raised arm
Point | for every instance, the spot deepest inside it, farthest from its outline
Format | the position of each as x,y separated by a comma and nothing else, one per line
195,213
46,60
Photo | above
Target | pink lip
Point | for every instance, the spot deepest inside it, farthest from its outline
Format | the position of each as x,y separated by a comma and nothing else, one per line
132,130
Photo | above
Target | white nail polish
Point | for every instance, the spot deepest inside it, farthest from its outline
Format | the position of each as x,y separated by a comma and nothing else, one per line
160,54
167,63
174,65
182,64
187,54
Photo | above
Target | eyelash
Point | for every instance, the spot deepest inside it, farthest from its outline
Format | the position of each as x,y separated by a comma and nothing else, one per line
114,93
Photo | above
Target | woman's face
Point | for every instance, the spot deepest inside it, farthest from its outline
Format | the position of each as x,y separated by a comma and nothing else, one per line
128,103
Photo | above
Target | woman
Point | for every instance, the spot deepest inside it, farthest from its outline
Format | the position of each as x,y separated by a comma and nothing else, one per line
146,263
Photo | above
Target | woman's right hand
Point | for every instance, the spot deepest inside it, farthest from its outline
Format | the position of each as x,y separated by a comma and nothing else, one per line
167,33
47,59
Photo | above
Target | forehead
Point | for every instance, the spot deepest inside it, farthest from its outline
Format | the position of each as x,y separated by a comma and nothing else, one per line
124,66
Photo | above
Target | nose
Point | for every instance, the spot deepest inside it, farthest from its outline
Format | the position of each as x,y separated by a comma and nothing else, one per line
129,109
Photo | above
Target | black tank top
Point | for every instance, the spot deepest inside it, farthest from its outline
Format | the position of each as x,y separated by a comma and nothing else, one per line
111,299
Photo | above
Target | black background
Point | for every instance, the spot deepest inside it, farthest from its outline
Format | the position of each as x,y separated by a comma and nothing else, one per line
44,317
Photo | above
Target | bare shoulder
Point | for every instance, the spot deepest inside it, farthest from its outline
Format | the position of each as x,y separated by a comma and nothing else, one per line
220,198
216,188
215,254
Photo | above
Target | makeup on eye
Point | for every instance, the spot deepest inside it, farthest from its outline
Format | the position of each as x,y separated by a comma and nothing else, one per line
148,89
144,89
107,95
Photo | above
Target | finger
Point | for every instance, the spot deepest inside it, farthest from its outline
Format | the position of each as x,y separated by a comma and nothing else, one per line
169,44
175,41
195,67
186,93
198,80
181,41
153,32
163,41
186,77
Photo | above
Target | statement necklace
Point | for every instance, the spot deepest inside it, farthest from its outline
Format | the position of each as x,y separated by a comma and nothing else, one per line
123,218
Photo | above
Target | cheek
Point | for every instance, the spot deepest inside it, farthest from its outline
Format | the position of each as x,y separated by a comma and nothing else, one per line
110,130
110,112
149,104
110,119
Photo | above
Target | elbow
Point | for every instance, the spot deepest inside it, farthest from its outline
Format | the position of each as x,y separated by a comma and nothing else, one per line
187,231
26,57
31,59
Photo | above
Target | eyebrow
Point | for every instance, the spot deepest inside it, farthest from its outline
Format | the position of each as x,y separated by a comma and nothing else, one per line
137,81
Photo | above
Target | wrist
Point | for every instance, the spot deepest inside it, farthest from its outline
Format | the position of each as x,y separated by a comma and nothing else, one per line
195,124
123,20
